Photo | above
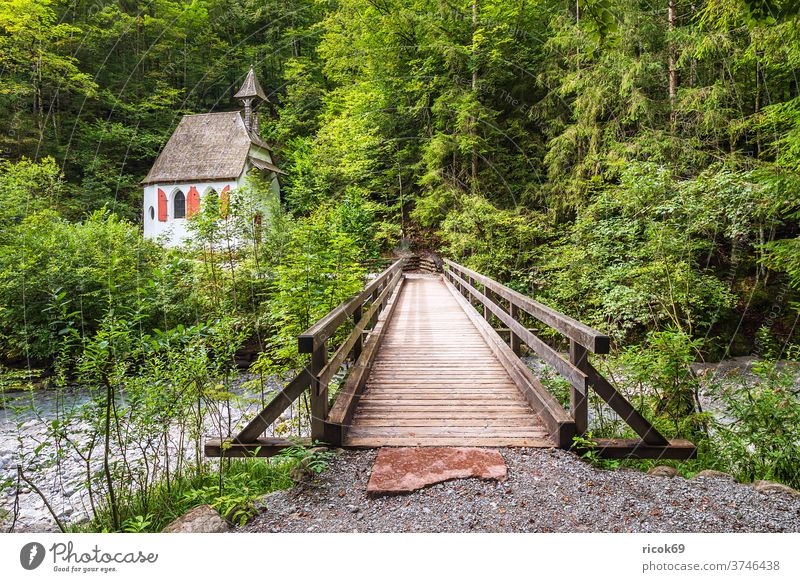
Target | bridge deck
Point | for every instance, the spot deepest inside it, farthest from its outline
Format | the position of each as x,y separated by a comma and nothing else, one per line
435,381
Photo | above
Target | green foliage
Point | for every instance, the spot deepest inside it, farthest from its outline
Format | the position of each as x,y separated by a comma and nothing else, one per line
313,460
752,434
763,440
57,276
245,482
661,371
137,524
319,271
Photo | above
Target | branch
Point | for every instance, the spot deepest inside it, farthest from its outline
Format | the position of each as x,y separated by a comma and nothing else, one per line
33,486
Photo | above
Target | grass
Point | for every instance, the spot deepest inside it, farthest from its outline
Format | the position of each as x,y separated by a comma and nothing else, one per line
244,481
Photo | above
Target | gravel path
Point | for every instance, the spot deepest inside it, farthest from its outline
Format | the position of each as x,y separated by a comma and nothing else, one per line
546,491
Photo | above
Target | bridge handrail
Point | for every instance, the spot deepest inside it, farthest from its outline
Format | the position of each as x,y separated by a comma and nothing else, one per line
592,339
319,372
321,331
578,370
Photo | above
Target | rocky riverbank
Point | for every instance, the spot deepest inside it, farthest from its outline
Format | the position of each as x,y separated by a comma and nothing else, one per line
61,475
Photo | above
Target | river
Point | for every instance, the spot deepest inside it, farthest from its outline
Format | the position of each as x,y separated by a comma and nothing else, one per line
24,420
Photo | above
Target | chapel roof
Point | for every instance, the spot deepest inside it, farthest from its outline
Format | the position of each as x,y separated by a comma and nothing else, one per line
204,147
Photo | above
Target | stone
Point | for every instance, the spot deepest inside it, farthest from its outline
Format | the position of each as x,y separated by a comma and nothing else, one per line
201,519
712,474
301,471
398,470
265,499
663,471
772,487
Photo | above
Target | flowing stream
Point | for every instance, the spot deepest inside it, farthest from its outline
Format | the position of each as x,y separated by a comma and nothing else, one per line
24,419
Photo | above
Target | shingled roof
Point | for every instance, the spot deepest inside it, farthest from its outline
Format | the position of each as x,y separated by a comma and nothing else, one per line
250,88
209,146
265,165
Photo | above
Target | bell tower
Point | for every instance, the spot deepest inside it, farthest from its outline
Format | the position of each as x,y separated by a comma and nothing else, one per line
250,94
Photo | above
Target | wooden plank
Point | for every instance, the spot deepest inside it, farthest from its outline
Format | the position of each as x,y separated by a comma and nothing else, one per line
404,389
446,396
319,393
260,447
371,442
450,431
560,425
275,408
441,384
677,449
477,422
368,407
448,414
514,340
595,341
576,377
579,401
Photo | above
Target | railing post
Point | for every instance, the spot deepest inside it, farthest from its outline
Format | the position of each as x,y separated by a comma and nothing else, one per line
515,340
490,296
319,393
359,342
579,403
375,294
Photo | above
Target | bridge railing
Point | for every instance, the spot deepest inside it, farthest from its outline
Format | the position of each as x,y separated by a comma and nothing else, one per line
365,310
577,370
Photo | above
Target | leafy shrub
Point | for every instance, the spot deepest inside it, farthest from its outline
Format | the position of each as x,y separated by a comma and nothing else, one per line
761,440
661,371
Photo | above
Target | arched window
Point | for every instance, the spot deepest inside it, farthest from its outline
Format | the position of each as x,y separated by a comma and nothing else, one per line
152,213
179,205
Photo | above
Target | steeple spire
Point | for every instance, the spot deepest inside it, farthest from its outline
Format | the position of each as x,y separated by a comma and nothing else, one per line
249,92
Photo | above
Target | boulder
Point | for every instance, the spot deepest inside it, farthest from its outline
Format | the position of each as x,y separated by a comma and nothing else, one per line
201,519
712,474
663,471
772,487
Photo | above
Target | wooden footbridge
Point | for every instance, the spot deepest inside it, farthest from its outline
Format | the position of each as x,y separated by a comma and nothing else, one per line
425,367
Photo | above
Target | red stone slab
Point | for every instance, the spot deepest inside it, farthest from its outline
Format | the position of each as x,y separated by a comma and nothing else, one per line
398,470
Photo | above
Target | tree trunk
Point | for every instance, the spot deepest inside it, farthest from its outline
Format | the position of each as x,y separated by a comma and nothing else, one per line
473,121
673,72
107,455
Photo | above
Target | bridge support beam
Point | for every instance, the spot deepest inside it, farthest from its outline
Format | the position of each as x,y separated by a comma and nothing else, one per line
579,401
515,341
319,392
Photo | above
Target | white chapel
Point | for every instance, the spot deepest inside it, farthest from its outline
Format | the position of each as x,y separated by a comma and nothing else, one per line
209,154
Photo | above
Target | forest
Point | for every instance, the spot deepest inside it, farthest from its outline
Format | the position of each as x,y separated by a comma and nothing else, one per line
632,164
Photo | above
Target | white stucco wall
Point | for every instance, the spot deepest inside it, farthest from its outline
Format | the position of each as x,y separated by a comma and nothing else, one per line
174,231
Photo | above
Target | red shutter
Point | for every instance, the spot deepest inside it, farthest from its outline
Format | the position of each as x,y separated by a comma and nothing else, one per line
162,206
223,201
192,202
